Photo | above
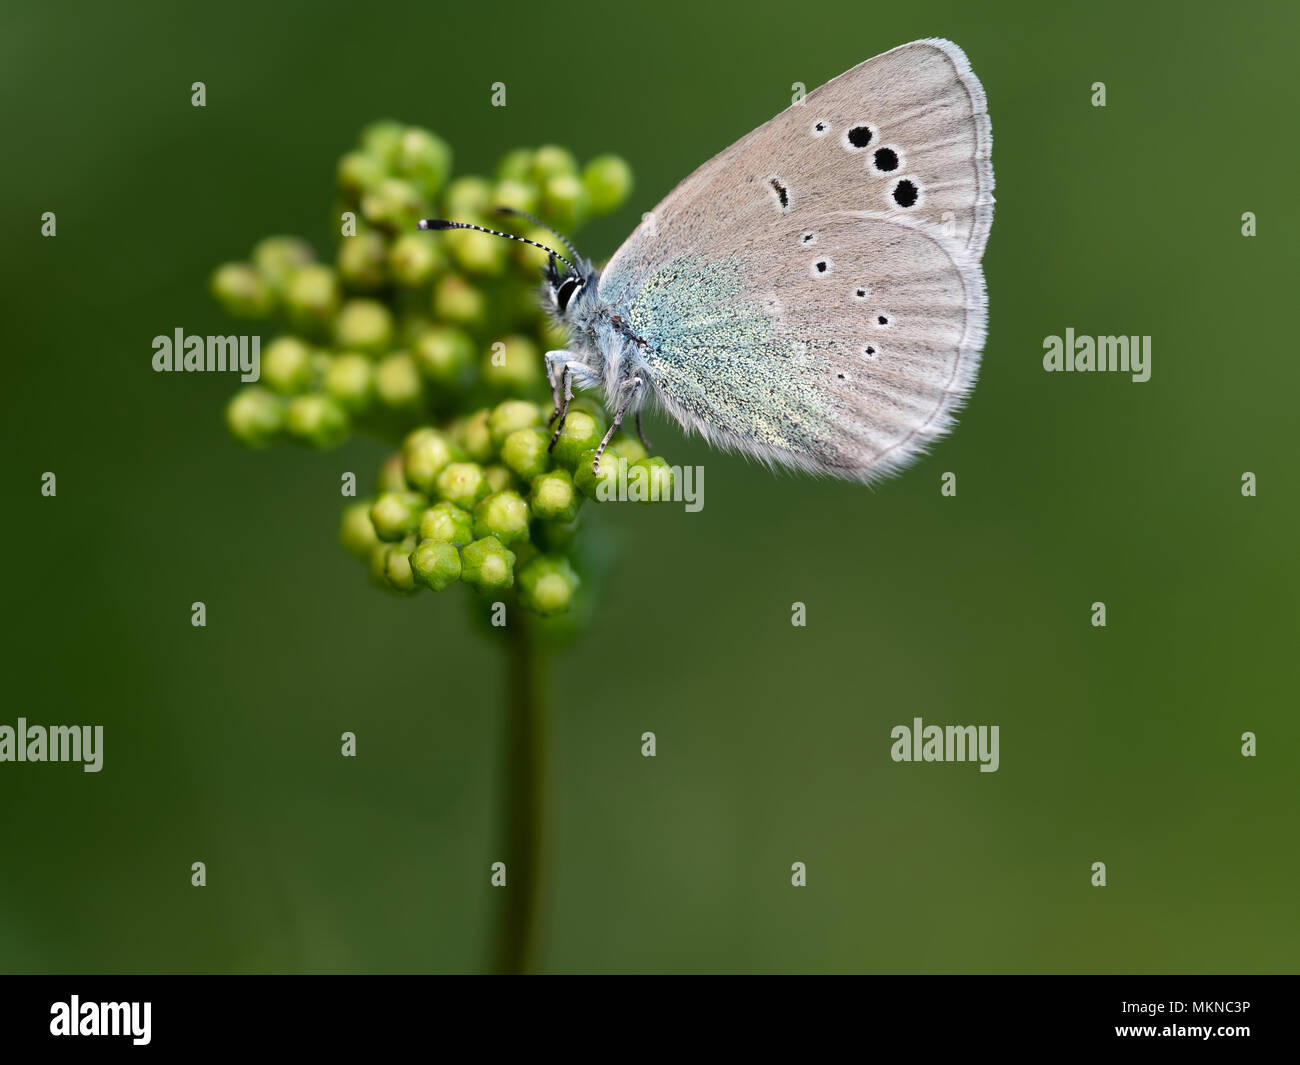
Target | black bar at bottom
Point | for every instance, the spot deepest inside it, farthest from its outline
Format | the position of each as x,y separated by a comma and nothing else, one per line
1230,1014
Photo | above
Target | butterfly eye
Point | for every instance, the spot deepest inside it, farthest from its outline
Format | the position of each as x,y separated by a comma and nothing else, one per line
565,293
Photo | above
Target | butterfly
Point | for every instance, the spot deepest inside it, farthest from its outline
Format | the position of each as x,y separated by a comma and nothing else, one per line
812,296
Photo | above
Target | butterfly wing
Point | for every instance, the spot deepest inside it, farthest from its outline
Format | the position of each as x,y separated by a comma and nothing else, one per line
792,303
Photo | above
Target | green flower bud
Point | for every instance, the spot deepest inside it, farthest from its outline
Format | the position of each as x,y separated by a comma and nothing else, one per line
515,165
413,259
393,204
242,291
608,179
444,355
424,159
397,514
363,260
397,566
587,481
488,565
350,379
524,451
383,140
581,433
553,496
503,515
287,365
474,437
462,483
629,447
254,415
317,419
359,173
565,201
547,585
392,474
550,160
435,563
425,453
278,258
511,415
520,195
658,479
312,295
364,325
467,199
448,524
457,302
516,366
397,382
357,531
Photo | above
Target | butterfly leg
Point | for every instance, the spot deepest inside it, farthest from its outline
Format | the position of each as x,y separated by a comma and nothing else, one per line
557,373
563,371
633,387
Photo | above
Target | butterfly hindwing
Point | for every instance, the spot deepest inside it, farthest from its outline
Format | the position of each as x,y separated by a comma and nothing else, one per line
849,370
748,340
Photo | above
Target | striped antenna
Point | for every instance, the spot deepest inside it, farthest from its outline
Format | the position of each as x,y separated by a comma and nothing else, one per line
538,222
441,223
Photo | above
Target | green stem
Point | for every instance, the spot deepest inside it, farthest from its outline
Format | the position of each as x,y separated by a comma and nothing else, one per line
522,796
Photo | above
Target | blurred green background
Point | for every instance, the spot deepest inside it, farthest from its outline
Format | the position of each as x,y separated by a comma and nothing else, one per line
1120,744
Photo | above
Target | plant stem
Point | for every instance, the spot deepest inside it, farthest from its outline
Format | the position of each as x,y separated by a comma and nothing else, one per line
522,796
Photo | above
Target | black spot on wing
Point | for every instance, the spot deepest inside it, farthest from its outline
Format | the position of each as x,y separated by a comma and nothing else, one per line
906,193
782,192
885,159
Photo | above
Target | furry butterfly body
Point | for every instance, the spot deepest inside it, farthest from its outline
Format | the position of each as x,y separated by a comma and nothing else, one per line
812,296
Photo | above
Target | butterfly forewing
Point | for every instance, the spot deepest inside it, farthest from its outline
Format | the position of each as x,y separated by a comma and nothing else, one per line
792,303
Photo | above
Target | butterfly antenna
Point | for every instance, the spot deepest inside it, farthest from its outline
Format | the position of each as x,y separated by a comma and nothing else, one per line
441,223
538,222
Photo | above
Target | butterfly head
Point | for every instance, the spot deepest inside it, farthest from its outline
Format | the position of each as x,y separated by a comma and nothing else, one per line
564,286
